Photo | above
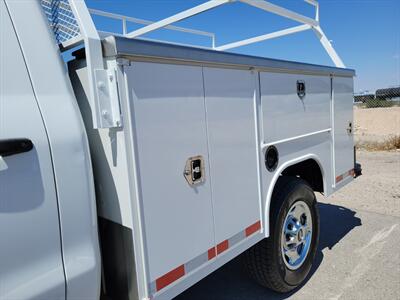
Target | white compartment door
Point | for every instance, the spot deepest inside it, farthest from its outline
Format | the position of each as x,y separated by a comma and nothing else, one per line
231,121
169,127
343,120
285,113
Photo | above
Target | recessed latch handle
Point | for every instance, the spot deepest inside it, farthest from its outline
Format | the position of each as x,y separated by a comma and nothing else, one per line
194,170
301,88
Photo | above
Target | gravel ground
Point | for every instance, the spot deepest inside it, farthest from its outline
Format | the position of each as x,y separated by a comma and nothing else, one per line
359,250
378,190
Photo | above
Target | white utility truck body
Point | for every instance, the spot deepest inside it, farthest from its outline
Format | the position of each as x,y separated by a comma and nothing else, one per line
177,167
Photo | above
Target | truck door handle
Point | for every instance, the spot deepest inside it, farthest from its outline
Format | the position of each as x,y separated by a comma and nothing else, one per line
15,146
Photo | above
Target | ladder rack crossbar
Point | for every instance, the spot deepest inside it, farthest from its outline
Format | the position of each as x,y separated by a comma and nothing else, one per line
147,22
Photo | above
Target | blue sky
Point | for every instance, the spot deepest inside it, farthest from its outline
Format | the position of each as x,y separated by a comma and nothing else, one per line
365,33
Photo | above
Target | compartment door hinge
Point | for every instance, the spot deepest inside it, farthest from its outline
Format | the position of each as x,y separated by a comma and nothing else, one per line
349,128
108,98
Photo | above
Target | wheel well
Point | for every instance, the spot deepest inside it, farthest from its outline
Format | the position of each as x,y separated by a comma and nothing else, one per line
308,170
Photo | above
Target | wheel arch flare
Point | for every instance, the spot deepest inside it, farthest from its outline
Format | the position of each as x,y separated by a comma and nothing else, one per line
295,167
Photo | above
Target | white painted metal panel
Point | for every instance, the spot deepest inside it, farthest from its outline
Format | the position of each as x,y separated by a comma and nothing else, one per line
170,127
232,133
343,115
69,149
31,265
108,155
285,114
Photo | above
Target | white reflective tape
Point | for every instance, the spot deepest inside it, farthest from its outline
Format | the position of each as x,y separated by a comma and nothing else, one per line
237,238
176,274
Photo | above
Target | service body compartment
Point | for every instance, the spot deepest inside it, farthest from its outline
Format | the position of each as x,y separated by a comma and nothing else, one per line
342,94
287,114
170,127
178,116
232,133
185,174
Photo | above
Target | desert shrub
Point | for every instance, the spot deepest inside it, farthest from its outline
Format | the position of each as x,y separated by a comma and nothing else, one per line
392,143
371,103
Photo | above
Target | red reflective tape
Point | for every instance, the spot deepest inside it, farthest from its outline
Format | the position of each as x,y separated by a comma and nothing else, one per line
170,277
221,247
348,173
339,178
211,253
253,228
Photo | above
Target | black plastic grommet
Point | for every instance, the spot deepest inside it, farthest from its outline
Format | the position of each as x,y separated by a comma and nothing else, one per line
271,158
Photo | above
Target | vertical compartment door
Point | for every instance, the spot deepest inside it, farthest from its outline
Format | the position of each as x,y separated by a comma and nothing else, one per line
232,132
168,116
343,127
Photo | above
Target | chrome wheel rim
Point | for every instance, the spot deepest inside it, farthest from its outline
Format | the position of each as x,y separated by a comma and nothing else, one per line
296,235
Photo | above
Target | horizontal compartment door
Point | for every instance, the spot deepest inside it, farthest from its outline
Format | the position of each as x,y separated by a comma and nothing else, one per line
289,112
169,127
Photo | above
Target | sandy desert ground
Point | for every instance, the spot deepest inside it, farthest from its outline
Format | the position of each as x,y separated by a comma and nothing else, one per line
376,124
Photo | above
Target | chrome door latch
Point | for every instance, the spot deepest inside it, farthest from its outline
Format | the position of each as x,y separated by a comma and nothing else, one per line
194,170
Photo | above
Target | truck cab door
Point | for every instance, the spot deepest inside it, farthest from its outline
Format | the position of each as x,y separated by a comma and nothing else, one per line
31,264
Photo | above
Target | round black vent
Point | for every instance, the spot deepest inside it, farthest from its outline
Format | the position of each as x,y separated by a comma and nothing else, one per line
271,158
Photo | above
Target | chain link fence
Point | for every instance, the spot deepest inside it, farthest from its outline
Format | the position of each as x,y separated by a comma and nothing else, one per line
381,98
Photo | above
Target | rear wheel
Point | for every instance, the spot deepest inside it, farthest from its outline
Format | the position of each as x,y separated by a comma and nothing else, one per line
283,261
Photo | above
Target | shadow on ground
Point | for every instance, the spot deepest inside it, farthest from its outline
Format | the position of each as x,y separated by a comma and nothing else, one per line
231,282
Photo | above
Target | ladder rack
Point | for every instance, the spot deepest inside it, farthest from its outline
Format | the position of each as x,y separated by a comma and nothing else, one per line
72,25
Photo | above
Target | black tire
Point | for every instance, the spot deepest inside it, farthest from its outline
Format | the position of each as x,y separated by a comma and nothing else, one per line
264,261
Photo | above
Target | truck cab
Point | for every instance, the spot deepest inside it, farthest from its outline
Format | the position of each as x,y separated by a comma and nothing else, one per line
48,215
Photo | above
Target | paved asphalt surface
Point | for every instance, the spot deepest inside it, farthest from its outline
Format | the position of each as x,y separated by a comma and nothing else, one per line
359,250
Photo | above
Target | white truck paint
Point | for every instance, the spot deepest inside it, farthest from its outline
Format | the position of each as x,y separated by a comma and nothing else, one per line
159,234
30,248
70,158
